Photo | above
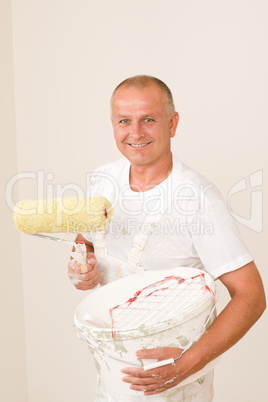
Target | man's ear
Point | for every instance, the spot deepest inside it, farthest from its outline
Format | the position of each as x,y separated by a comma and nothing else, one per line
174,121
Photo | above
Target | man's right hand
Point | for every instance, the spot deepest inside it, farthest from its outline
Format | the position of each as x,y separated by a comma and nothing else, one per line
87,280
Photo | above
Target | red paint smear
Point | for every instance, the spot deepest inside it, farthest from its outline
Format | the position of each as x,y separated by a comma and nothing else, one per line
212,293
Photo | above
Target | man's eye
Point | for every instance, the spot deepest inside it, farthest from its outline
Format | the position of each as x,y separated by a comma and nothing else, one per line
148,120
124,121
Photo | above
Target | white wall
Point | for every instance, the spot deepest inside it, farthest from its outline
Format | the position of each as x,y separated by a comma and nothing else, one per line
68,57
13,376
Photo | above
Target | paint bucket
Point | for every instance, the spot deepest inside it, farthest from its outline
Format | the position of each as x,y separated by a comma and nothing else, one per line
114,350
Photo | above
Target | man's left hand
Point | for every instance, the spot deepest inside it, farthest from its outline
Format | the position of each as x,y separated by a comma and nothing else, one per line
159,379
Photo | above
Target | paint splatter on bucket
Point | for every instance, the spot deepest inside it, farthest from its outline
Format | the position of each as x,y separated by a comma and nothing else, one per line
113,349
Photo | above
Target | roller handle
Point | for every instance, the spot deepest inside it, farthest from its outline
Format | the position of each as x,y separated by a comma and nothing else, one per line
80,255
158,364
81,259
163,362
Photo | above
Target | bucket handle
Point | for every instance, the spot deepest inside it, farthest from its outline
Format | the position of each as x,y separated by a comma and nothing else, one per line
172,360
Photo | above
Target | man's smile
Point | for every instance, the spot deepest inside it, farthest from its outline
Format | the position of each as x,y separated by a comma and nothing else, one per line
139,145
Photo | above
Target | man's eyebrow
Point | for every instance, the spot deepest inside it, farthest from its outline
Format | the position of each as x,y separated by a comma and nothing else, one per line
121,115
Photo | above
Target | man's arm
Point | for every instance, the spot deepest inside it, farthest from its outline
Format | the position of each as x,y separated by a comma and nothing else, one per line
91,278
244,309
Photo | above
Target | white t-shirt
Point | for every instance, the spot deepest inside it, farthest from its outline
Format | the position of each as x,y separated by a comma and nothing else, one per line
192,227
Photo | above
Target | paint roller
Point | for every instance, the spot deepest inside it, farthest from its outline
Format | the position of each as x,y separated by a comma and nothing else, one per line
64,215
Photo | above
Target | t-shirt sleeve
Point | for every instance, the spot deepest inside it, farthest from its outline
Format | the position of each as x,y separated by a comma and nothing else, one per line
88,236
218,241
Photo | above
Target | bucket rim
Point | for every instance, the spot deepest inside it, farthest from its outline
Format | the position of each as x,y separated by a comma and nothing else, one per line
149,329
108,334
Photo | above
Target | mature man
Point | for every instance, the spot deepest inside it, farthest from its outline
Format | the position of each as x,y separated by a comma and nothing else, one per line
144,121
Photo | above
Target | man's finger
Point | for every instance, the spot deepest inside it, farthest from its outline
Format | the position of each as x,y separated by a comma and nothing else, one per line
85,285
141,381
75,266
84,268
157,391
91,260
146,388
135,372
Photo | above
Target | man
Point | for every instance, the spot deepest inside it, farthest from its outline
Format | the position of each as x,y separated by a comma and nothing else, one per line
144,121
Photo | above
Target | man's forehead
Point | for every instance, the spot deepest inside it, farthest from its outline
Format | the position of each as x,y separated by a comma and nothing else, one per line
138,97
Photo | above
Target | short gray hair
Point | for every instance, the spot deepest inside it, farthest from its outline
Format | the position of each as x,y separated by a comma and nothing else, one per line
144,81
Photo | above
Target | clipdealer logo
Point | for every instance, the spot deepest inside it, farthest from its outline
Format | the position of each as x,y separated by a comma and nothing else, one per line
251,188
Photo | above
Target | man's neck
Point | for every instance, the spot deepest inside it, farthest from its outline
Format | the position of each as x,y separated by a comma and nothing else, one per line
145,177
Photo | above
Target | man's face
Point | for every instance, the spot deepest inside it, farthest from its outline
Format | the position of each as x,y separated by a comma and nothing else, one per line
142,127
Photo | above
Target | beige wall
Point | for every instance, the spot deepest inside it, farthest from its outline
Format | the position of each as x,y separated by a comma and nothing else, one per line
13,377
68,57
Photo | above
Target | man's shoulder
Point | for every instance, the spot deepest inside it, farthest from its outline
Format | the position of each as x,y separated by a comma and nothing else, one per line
185,173
195,181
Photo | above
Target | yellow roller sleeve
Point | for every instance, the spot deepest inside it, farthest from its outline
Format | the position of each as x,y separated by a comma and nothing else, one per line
63,215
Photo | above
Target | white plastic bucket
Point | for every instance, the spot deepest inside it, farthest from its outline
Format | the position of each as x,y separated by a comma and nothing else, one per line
112,353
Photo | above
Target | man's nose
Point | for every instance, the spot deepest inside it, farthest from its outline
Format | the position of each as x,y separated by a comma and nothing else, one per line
136,130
